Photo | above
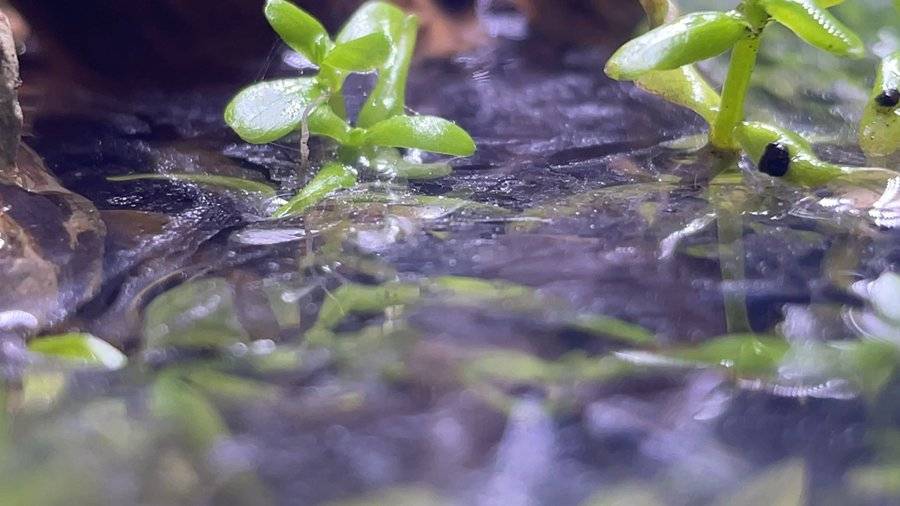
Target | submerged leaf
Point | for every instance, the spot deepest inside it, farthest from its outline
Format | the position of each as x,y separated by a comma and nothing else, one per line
79,347
334,176
428,133
815,25
780,485
364,54
689,39
299,30
227,182
745,354
879,131
267,111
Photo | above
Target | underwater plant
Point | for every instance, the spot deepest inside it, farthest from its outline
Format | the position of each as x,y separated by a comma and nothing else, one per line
702,35
380,38
879,132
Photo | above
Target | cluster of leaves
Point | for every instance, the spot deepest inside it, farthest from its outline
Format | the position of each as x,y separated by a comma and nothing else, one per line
661,62
378,38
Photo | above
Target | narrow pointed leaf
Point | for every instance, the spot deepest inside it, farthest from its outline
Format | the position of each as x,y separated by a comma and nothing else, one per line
299,30
428,133
879,131
332,177
227,182
689,39
267,111
816,26
364,54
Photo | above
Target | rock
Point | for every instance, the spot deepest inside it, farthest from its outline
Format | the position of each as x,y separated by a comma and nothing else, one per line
10,112
51,240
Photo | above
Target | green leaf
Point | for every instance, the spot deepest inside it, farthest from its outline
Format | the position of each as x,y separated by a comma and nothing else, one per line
79,347
745,354
388,97
267,111
815,25
323,121
332,177
196,314
352,298
689,39
879,130
372,17
189,412
659,11
684,86
227,182
804,168
428,133
388,163
364,54
299,30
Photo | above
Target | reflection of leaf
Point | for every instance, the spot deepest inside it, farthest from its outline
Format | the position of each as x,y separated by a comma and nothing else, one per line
781,485
636,494
745,354
195,314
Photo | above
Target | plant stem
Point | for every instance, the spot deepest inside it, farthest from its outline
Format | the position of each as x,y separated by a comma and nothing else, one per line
737,82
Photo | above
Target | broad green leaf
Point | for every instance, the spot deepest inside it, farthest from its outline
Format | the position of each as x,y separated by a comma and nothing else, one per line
745,354
804,167
372,17
879,131
364,54
267,111
683,86
332,177
428,133
689,39
196,314
299,30
388,97
81,348
815,25
227,182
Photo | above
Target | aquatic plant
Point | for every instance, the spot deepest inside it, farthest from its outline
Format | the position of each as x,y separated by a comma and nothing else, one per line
879,131
702,35
380,38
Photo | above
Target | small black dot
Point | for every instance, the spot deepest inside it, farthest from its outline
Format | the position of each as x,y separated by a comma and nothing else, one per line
888,98
775,160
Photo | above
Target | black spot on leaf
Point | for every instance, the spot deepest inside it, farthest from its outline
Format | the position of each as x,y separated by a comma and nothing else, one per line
775,161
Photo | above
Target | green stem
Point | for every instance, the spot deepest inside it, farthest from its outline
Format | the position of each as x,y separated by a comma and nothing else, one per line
737,82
